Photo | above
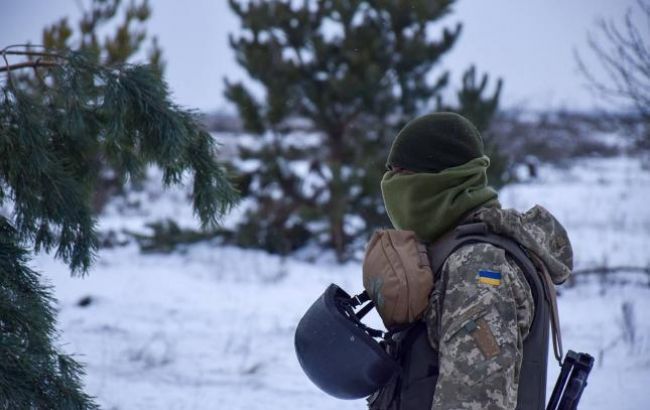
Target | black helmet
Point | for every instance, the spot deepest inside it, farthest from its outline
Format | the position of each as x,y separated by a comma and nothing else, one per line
337,352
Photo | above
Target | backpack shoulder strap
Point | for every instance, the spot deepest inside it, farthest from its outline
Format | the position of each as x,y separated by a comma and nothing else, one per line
440,250
532,379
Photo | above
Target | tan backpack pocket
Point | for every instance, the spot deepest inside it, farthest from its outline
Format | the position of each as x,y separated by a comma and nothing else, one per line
397,276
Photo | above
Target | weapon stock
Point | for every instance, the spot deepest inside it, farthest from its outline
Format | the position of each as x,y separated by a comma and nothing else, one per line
571,382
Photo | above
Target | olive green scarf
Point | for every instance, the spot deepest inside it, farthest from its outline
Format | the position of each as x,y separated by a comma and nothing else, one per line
432,203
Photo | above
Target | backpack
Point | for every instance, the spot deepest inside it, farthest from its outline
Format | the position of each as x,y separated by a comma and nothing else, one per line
397,276
407,340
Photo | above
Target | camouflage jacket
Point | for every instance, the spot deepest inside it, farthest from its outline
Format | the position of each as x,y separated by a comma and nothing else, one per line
482,308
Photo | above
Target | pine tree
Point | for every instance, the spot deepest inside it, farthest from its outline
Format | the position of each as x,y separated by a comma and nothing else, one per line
56,134
123,36
121,46
339,78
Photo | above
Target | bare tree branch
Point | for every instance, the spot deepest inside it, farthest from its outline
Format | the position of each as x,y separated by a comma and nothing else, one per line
613,269
623,54
28,53
28,64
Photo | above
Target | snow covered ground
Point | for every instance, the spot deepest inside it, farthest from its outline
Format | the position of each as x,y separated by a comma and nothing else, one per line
211,327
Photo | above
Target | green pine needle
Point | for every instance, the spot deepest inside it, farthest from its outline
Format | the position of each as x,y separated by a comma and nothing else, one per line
56,137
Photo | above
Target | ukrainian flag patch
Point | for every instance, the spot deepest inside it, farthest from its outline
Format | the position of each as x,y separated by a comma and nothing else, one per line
489,277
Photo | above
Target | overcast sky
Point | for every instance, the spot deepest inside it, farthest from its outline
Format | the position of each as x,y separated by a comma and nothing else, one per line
529,43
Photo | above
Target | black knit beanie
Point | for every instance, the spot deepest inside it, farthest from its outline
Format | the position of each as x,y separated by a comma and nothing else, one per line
435,142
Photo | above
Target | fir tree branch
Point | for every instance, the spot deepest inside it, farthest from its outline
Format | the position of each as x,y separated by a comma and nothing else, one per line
53,147
34,373
57,137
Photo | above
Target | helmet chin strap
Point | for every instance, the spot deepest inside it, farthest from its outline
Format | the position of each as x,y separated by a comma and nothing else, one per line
360,299
348,306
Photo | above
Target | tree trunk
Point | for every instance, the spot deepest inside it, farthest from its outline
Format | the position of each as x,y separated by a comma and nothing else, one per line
337,205
336,212
338,239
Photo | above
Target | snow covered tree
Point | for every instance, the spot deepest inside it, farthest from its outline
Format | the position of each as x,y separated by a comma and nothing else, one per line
339,77
56,134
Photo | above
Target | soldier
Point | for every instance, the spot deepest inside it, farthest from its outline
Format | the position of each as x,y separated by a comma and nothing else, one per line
482,308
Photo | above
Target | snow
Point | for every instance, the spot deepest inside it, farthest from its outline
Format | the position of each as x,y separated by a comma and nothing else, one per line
211,327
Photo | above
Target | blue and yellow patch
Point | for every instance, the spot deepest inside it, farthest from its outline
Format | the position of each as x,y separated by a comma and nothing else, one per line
489,277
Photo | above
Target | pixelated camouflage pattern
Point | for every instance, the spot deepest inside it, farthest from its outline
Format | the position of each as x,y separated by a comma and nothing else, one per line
538,231
467,378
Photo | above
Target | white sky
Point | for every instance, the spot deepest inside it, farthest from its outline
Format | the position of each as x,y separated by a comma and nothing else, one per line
529,43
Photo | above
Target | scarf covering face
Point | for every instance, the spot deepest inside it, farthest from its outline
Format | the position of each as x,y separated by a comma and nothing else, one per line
430,204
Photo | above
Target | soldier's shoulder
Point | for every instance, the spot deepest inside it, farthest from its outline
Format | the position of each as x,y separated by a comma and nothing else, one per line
471,260
478,253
